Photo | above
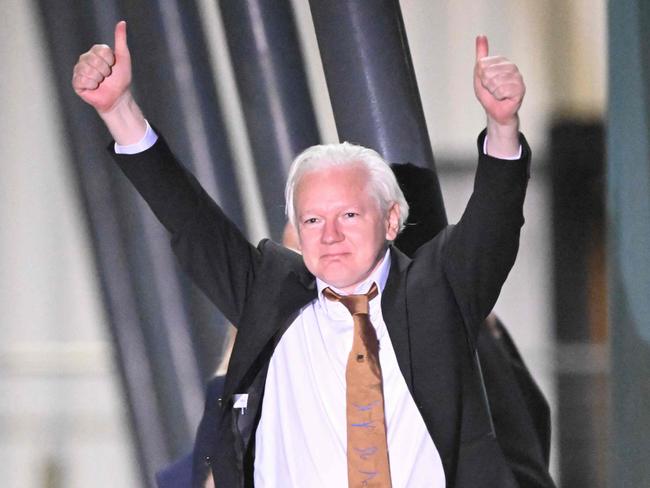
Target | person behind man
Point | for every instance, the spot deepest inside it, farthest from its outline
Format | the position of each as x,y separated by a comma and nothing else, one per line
353,364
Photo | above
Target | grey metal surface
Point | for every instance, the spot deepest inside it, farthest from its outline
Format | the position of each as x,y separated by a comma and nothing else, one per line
628,220
272,84
66,32
371,81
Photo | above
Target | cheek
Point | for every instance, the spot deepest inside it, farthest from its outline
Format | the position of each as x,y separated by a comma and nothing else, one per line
378,231
306,238
307,244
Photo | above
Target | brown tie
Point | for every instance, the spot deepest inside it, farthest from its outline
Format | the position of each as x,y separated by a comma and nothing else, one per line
367,449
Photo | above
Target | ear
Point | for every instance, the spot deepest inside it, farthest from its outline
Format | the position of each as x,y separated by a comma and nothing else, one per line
392,222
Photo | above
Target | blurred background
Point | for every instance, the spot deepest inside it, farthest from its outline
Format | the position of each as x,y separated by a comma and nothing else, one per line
105,346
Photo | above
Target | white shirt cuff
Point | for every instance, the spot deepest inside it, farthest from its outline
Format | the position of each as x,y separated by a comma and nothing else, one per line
509,158
148,140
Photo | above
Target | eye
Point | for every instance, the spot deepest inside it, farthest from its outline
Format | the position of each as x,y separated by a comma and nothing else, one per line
310,220
349,215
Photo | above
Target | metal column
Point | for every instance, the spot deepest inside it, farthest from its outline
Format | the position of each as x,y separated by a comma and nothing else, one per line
272,84
371,81
628,219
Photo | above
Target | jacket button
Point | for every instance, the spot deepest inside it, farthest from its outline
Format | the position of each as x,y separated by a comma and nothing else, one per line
220,402
208,460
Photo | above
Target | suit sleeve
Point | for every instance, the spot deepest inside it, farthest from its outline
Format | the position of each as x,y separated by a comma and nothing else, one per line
209,246
482,247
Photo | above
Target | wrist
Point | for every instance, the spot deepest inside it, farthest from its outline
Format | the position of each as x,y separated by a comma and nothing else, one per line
503,137
125,120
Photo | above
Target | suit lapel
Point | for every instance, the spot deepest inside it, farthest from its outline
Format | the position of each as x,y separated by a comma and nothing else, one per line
274,307
393,305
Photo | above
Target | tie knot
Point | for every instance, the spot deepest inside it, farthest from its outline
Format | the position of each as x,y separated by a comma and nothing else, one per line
356,304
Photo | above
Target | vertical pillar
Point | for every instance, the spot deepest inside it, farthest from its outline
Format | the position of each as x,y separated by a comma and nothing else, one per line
577,173
66,31
272,84
628,218
372,83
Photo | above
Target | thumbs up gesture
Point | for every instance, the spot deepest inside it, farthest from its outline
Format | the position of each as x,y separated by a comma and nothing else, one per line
498,85
102,76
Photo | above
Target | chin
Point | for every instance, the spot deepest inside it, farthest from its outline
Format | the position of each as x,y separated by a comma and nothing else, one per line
343,281
337,281
341,274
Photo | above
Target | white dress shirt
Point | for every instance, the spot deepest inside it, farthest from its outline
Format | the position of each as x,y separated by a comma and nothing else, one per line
301,440
148,139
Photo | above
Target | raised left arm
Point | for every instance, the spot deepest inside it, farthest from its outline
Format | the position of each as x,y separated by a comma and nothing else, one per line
482,247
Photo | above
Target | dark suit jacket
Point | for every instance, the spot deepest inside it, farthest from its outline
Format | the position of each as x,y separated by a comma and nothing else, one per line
433,306
519,411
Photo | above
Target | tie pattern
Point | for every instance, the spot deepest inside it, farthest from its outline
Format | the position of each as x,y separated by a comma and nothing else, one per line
367,453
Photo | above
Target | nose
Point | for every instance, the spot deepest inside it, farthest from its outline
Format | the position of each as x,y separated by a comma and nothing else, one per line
331,233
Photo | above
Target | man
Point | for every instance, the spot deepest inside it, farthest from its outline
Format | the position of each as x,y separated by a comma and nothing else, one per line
286,405
519,411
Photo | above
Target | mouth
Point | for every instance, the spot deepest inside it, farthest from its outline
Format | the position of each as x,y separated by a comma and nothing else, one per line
334,256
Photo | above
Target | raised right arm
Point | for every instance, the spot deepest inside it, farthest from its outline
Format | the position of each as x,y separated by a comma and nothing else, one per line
210,247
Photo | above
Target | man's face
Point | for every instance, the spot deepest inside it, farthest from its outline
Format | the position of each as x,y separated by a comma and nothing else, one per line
342,233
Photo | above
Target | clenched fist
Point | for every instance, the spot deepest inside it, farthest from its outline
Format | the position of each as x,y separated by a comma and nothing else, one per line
102,75
498,84
102,78
500,89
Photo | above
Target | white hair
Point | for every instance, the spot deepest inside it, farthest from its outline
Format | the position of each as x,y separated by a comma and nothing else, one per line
381,179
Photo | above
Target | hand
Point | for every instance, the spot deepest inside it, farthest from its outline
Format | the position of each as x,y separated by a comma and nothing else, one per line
102,76
498,85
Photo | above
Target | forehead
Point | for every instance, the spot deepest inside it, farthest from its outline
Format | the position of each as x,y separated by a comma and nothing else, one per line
332,182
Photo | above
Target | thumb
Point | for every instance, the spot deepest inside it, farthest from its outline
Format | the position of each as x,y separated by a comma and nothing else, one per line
481,47
121,48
